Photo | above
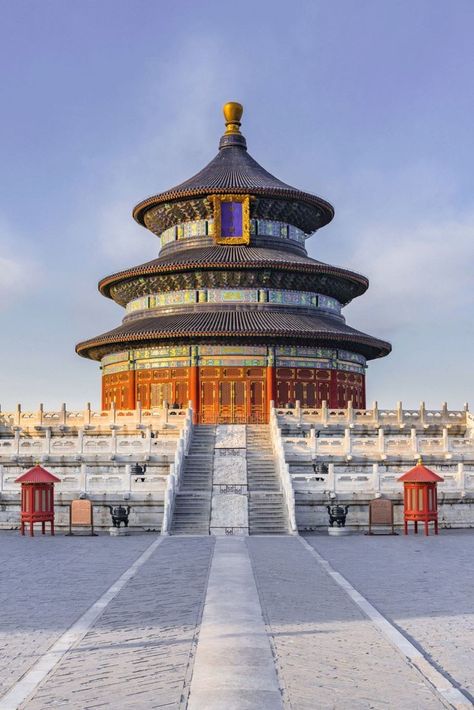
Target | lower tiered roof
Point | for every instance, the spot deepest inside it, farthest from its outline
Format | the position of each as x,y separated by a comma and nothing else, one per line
235,324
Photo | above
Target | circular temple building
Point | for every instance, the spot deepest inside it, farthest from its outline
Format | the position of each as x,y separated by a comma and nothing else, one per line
233,314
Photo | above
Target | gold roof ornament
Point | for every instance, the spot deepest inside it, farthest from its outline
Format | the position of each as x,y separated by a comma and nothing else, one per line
232,113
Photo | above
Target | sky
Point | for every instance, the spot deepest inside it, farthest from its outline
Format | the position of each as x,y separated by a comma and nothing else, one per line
367,103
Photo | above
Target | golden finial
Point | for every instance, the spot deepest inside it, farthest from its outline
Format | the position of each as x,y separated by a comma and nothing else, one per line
420,460
233,113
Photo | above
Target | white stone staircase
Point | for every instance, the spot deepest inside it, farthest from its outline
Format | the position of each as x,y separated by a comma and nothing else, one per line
192,510
267,508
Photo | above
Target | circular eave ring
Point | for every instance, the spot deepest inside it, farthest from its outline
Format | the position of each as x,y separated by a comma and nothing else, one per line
295,195
380,348
153,268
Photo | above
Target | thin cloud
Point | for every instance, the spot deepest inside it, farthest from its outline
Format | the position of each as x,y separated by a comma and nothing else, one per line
17,268
419,272
179,113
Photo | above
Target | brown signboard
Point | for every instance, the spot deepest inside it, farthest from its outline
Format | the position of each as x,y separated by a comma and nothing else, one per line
81,512
81,515
381,514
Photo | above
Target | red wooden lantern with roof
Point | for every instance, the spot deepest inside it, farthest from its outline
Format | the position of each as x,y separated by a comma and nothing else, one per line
420,497
37,498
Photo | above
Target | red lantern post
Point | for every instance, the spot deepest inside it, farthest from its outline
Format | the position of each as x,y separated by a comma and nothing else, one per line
420,497
37,498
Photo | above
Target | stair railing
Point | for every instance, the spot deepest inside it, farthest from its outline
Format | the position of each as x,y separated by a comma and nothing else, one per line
176,470
283,470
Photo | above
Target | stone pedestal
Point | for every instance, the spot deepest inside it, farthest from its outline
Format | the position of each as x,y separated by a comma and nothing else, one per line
119,532
339,532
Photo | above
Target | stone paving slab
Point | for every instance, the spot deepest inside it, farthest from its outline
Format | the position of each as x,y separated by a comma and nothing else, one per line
234,666
46,583
422,584
328,654
139,653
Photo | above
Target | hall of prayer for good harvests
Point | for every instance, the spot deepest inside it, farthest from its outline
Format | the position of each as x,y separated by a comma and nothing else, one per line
233,314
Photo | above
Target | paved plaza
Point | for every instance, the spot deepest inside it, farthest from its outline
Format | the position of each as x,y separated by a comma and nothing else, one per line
230,623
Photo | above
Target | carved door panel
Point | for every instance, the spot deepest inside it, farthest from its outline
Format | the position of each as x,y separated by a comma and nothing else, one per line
257,402
232,402
323,394
208,401
160,393
181,394
310,395
239,401
225,411
143,395
300,393
283,393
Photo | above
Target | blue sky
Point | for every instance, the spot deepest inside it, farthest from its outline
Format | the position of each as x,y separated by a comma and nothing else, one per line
367,103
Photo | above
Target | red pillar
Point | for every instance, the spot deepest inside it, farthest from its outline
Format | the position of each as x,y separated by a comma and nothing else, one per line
194,390
271,387
131,398
333,403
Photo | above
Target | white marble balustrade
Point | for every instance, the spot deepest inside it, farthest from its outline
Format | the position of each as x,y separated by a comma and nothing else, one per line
399,417
64,419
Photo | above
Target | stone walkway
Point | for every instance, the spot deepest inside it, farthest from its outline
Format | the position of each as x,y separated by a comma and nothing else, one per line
45,584
234,666
329,655
425,585
236,623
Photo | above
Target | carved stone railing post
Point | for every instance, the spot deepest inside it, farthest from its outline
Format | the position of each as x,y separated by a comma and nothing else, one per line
347,443
113,433
350,412
445,438
63,415
17,441
414,442
47,435
444,413
422,414
83,478
324,412
376,478
331,480
128,478
18,415
375,413
298,411
381,438
400,419
461,478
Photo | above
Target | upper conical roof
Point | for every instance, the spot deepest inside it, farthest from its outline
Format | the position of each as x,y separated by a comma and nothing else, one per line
233,170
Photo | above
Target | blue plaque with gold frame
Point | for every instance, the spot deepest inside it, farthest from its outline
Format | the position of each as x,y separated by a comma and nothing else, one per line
231,219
